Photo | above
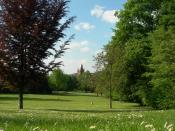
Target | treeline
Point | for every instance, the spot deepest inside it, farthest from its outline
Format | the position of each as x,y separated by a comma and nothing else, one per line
140,59
56,80
39,85
83,81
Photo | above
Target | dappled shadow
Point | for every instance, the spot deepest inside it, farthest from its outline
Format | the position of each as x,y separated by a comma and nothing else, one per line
6,98
101,111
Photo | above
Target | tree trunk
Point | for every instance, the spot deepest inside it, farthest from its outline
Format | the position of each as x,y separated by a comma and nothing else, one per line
110,98
21,98
110,88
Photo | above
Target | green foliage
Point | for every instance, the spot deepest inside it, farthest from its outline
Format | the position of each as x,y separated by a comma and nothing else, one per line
86,81
140,54
136,56
129,48
100,82
59,81
162,66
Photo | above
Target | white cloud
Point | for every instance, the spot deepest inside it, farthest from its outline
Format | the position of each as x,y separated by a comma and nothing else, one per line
83,61
97,11
85,49
78,45
81,46
71,65
105,15
109,16
84,26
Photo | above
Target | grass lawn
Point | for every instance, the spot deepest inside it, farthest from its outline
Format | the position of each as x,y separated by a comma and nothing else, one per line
74,112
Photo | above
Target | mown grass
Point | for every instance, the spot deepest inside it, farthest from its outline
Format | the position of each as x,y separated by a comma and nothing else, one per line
69,101
74,112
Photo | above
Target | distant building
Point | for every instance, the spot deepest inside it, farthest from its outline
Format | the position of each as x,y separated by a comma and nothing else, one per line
81,70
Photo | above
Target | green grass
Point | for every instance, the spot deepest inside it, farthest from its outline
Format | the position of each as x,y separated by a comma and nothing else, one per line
74,112
70,101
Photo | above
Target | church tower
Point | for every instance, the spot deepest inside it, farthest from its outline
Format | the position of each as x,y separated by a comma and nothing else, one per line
81,70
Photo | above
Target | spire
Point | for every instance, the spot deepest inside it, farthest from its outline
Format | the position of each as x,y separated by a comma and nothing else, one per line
81,69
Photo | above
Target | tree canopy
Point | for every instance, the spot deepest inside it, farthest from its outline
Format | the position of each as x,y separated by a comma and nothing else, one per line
30,30
141,53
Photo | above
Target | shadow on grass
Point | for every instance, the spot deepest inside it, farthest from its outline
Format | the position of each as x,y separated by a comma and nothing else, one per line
6,98
74,94
102,111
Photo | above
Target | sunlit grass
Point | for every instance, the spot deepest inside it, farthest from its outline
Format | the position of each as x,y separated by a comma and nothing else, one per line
71,101
76,113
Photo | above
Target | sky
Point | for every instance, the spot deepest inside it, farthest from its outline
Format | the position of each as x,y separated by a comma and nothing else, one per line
92,28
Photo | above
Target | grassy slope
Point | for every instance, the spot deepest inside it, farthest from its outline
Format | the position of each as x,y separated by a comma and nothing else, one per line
75,113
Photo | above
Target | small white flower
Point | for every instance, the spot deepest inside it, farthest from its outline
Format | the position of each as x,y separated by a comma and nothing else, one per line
92,127
165,125
170,126
1,129
129,117
153,129
149,126
143,123
36,128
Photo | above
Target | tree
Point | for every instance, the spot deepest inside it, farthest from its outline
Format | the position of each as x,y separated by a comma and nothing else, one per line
162,71
86,82
131,46
30,30
99,75
162,61
109,68
58,81
104,72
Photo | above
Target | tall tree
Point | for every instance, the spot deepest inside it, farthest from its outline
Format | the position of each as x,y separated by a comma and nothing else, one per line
162,62
86,81
137,20
109,70
99,75
58,81
28,35
104,71
162,73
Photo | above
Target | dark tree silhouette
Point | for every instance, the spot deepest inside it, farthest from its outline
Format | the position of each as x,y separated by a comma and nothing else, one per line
29,31
81,69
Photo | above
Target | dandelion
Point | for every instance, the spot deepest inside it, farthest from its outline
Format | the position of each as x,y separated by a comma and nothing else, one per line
92,127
